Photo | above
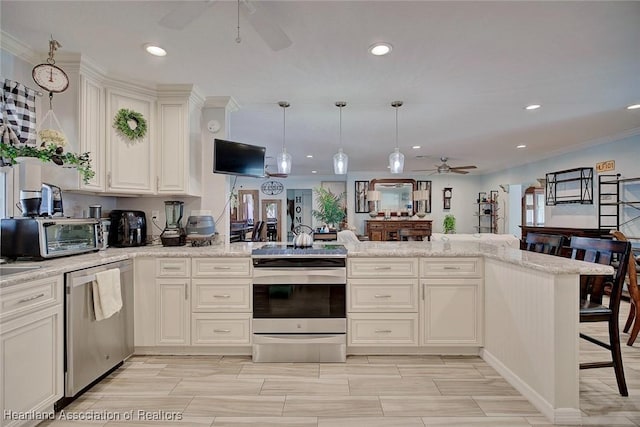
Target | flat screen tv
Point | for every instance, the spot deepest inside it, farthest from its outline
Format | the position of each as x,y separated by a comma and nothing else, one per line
235,158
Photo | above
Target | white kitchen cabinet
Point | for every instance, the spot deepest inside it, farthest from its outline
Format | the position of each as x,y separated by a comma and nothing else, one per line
145,301
131,165
382,302
173,312
31,348
92,131
451,309
383,329
222,301
179,140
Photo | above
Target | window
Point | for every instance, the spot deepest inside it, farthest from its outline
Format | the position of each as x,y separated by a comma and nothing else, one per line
533,207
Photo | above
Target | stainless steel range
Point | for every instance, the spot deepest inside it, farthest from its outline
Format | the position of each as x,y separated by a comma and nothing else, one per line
299,304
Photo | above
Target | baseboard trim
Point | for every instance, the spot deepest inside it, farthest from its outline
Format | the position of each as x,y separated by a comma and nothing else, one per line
567,416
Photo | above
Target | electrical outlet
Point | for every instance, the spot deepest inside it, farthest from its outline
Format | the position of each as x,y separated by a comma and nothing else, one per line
155,214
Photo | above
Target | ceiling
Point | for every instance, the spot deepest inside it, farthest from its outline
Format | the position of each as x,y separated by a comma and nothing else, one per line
464,70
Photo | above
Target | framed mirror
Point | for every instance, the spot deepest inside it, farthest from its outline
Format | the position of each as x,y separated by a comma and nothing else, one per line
248,206
396,195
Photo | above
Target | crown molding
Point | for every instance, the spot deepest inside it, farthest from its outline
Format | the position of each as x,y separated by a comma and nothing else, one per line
17,48
227,102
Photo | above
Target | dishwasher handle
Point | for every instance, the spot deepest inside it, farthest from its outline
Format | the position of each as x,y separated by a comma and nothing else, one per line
90,277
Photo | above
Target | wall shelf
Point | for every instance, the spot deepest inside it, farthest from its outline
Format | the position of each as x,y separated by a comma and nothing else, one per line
570,186
487,212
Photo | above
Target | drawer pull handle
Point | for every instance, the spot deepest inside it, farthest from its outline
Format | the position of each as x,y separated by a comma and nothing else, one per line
222,268
382,268
222,331
451,268
222,296
382,296
383,331
171,268
23,300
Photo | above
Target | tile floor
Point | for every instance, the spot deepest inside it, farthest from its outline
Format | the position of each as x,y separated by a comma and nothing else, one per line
371,391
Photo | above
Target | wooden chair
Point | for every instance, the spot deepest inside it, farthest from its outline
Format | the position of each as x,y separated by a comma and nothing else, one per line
634,295
592,288
408,234
256,235
544,243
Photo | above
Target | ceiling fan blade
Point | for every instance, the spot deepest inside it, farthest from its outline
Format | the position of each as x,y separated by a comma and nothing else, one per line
265,25
185,13
453,170
463,167
423,170
276,175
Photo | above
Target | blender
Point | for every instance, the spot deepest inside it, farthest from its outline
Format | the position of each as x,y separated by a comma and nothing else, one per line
173,233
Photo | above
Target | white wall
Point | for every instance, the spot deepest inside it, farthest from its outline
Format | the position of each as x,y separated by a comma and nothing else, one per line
625,152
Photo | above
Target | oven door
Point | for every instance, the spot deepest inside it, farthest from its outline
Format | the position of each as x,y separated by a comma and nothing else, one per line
299,301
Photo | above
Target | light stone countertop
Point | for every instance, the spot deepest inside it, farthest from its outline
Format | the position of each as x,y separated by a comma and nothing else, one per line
530,260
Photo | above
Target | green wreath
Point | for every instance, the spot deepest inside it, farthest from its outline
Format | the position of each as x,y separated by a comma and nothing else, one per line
121,123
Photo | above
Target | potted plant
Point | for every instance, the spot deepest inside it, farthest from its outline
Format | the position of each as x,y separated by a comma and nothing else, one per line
50,150
330,210
449,224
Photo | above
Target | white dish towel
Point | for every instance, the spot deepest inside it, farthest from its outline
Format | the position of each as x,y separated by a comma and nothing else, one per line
107,298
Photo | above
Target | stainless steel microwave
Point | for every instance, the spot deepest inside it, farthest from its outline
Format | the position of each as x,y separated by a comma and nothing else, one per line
40,238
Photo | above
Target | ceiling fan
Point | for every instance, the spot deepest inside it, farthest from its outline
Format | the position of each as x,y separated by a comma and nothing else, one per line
258,16
273,174
445,168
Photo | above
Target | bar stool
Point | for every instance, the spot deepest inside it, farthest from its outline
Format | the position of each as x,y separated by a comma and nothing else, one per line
592,288
544,243
634,295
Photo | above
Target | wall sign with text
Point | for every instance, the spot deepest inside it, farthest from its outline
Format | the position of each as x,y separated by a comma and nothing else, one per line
272,187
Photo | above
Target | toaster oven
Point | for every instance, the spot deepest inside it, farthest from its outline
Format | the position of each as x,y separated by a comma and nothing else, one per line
40,238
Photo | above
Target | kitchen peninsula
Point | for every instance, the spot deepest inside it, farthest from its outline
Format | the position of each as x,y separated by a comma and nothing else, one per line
516,309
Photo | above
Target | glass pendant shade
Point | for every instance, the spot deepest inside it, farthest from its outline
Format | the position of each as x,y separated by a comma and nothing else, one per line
284,159
340,162
340,159
284,162
396,161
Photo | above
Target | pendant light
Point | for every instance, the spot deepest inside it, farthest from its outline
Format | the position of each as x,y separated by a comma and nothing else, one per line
396,159
284,159
340,159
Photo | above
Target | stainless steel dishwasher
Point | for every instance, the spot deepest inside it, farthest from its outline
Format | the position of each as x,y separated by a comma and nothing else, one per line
94,348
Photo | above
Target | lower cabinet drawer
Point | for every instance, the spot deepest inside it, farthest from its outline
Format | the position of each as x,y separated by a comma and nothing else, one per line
375,295
220,329
209,295
370,329
23,298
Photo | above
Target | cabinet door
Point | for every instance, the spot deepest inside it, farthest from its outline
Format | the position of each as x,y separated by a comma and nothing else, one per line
174,312
173,121
91,116
131,164
31,360
452,312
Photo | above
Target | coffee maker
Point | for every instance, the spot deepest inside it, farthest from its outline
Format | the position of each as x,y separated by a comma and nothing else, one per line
51,204
173,234
30,201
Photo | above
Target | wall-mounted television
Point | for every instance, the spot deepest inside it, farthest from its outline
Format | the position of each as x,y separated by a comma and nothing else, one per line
236,158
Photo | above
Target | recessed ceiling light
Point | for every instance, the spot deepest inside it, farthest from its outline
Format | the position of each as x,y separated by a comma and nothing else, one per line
633,107
521,146
309,156
532,107
155,50
416,147
380,49
314,171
